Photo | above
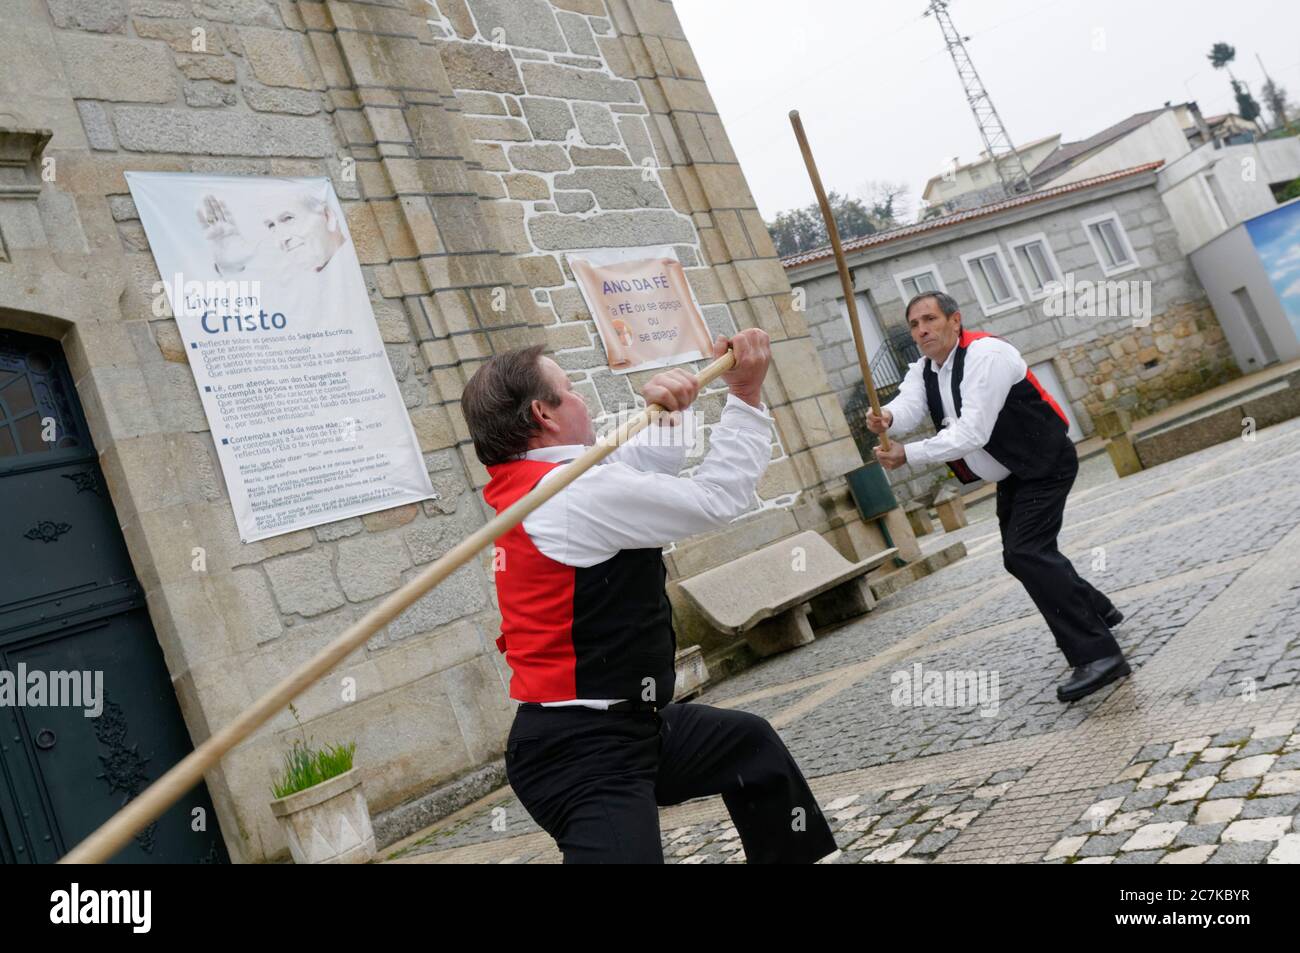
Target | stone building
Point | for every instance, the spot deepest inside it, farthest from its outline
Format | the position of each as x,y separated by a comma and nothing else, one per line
471,143
1097,348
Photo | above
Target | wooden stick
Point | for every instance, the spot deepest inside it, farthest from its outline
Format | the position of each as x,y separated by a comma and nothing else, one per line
113,835
845,280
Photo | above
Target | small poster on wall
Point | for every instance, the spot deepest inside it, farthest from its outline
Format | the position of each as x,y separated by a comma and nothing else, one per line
642,306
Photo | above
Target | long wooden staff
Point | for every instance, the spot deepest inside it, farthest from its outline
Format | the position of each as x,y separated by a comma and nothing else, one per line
849,299
113,835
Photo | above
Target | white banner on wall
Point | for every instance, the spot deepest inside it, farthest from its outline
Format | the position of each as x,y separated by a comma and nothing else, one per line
267,291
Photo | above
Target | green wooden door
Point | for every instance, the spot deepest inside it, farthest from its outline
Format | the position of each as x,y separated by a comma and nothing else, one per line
73,618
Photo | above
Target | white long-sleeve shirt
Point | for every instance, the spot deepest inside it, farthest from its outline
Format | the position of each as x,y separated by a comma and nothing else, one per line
634,498
992,368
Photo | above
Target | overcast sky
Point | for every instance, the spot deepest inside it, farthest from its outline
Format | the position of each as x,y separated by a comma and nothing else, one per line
880,99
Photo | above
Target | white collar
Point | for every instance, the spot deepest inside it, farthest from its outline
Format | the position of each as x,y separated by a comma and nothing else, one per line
561,453
947,362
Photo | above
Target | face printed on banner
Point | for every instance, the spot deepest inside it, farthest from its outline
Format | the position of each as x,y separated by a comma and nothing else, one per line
305,233
299,235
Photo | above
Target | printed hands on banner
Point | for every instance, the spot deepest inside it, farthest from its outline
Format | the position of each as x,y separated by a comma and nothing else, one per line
230,249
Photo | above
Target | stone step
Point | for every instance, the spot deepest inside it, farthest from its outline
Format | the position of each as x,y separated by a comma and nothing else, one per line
892,582
413,816
1219,422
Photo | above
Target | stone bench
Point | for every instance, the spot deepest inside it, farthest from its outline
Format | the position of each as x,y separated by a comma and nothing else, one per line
768,595
692,673
918,515
951,509
1114,426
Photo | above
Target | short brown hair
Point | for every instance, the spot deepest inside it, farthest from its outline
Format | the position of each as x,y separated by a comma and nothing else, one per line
498,401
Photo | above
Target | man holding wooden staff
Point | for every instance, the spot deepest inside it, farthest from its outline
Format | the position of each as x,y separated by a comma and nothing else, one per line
596,747
996,422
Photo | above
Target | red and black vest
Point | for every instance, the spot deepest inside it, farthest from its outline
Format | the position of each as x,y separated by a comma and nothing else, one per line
572,632
1031,436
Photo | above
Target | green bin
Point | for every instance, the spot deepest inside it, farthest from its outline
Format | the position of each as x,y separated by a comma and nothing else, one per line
871,490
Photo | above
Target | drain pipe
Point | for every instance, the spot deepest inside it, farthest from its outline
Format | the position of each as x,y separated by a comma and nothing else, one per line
899,562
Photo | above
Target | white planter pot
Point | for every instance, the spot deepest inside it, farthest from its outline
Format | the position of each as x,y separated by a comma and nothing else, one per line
328,823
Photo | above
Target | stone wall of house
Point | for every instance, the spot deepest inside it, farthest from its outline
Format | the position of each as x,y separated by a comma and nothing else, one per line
1143,370
471,143
1103,360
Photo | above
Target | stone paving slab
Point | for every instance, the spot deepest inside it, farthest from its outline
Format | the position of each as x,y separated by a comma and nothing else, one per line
1195,758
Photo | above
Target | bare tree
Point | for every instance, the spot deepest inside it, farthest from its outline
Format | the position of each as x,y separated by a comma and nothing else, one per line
1275,98
887,202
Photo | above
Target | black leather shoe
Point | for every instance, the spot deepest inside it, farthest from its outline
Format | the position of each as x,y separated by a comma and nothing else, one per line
1092,676
1113,618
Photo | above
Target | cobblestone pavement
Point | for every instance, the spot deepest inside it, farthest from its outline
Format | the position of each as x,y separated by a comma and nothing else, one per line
1193,759
1233,798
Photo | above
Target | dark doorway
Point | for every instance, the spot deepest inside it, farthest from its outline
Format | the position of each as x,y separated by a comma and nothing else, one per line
70,604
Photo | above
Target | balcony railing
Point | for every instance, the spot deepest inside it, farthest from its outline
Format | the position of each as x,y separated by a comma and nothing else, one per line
890,363
887,369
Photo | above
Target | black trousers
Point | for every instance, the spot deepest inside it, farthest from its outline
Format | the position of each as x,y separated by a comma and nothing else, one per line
594,780
1030,513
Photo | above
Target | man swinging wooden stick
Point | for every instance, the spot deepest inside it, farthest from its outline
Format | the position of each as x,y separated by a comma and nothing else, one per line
1011,431
136,815
994,421
596,747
